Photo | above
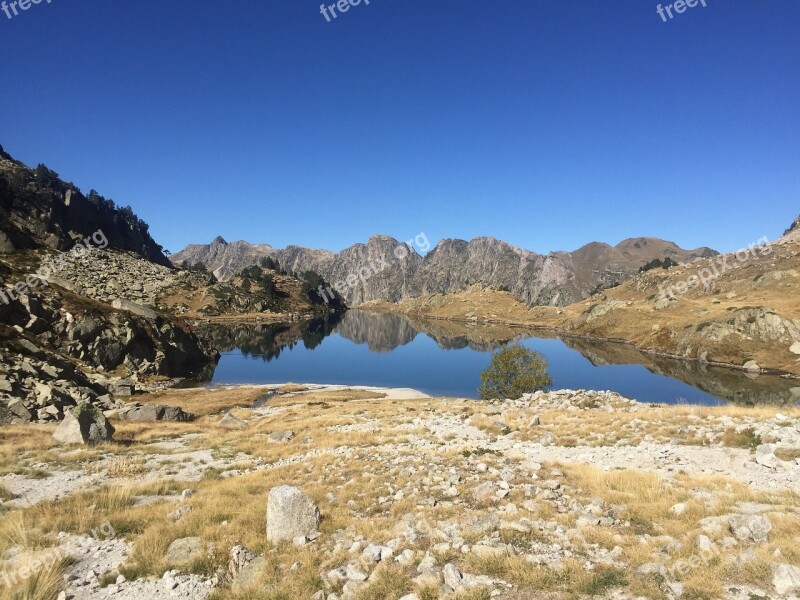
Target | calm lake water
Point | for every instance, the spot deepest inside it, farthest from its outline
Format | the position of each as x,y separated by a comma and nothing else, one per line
445,359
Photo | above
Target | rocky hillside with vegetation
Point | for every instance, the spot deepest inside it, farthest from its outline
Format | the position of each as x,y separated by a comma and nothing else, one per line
79,283
557,279
38,209
223,259
260,292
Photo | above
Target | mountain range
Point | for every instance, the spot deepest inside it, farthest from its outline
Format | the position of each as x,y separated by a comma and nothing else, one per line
453,265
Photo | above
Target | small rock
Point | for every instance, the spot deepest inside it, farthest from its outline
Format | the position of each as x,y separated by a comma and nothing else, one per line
178,514
679,509
277,437
452,576
230,421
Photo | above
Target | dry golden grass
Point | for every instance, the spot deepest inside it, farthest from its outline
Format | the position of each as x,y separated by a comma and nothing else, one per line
203,402
229,511
45,584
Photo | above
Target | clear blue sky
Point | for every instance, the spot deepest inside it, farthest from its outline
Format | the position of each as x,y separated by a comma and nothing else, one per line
547,124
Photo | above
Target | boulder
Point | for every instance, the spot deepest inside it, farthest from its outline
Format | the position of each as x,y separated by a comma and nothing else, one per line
765,456
786,579
7,417
751,366
452,576
84,424
290,513
17,407
230,421
133,308
6,247
238,558
184,550
153,412
244,567
280,436
754,528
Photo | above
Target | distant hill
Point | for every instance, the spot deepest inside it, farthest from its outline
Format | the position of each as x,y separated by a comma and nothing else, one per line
559,278
606,266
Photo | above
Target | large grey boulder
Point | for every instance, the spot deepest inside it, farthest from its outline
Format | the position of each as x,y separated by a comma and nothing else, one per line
154,412
290,514
84,424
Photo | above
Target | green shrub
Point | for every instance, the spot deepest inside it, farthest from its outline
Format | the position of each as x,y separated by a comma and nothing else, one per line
514,371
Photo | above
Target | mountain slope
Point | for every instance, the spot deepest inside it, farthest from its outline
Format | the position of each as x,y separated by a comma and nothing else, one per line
38,209
77,318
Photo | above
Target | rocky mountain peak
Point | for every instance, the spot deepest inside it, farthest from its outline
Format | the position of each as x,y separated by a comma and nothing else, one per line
219,241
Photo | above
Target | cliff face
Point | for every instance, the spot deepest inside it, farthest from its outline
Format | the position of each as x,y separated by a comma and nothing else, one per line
386,269
38,209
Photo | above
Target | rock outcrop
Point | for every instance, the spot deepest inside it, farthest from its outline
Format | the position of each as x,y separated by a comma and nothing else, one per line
794,227
221,258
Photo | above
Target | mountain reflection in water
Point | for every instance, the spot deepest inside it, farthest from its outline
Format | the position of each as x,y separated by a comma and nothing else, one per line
446,358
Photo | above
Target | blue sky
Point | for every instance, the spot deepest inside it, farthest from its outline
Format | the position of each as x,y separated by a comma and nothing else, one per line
547,124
